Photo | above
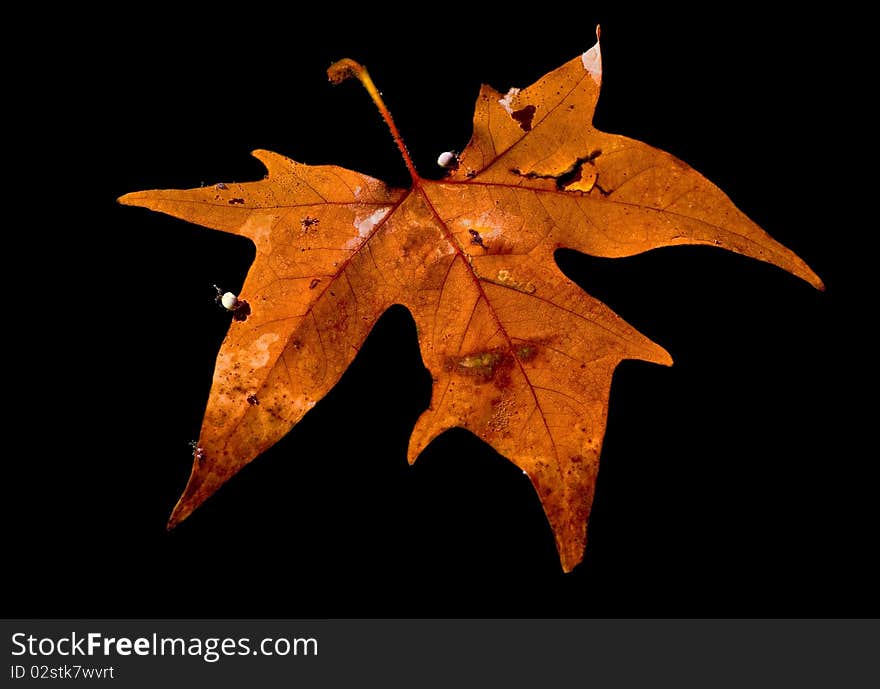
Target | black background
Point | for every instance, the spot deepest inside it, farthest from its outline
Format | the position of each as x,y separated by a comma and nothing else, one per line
732,484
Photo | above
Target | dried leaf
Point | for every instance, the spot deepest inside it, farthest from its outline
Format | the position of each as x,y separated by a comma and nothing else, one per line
519,355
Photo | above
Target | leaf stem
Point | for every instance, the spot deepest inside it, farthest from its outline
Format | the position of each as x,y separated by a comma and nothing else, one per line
347,68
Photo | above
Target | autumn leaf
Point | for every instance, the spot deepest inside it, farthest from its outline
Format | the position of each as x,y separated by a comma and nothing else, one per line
518,354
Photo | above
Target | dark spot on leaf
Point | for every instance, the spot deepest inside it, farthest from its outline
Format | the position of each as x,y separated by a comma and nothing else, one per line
482,365
524,116
416,245
242,311
276,412
526,352
598,187
568,176
314,283
577,459
477,239
234,201
252,400
308,222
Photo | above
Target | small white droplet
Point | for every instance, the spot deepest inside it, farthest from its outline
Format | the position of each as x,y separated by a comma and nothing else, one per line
447,160
229,301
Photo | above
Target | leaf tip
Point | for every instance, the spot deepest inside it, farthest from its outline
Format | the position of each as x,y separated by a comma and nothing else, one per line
128,199
141,199
568,564
274,163
571,551
425,430
184,507
178,514
658,355
800,269
592,59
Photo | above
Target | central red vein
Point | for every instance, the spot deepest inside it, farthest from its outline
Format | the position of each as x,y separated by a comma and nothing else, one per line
347,68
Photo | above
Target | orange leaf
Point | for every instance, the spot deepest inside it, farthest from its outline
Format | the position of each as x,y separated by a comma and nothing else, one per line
519,355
